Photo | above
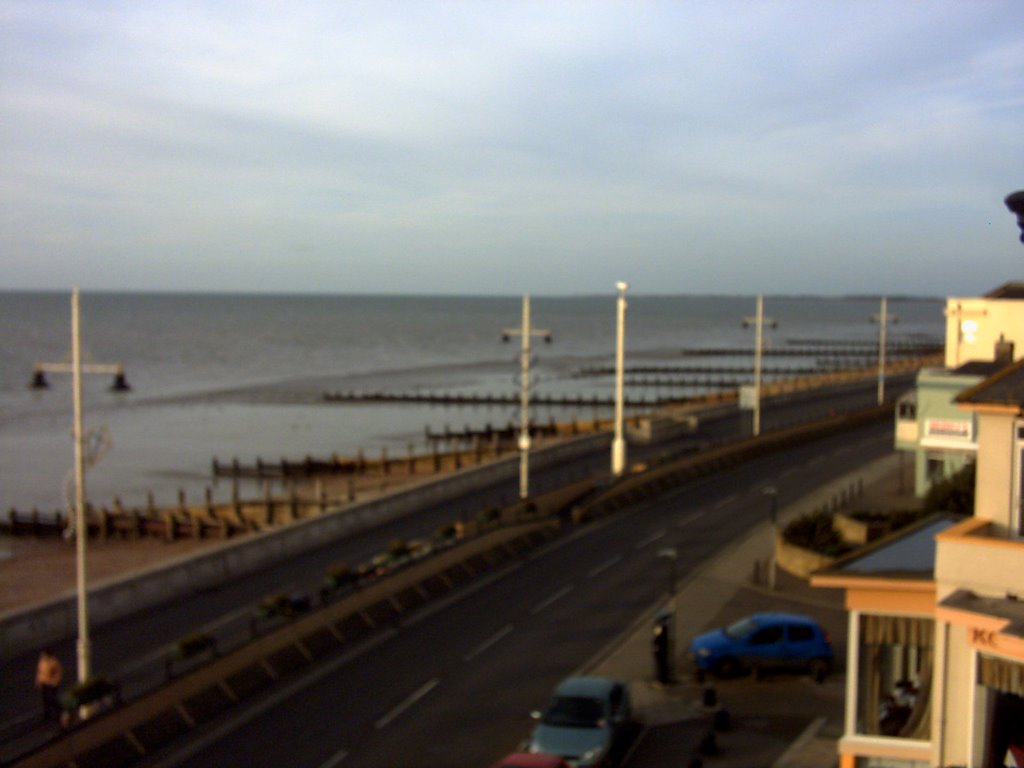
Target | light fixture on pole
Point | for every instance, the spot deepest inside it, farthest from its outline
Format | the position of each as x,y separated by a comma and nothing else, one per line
758,321
883,318
619,441
526,331
76,369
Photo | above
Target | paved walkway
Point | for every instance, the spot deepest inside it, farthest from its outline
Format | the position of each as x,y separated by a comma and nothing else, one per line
780,722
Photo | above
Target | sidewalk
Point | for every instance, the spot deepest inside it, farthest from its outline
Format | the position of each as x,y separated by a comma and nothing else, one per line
785,721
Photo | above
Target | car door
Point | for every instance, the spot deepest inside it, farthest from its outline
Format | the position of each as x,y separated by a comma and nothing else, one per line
801,644
766,646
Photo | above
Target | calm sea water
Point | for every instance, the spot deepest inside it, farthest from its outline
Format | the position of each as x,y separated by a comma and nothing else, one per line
243,376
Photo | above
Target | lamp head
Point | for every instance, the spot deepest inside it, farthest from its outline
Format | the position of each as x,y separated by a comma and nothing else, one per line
1015,202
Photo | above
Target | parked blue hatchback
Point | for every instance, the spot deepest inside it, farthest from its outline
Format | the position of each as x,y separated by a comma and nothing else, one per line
762,642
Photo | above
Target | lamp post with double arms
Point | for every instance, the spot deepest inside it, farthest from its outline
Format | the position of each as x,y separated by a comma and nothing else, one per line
76,369
526,332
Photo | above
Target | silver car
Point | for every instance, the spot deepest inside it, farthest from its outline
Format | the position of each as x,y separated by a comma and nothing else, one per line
586,721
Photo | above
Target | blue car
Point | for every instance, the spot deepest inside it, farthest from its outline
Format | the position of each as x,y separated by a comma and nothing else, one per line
761,642
586,721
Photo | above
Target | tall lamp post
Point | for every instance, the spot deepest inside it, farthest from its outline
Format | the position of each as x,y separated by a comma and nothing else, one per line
526,331
758,322
76,369
619,441
883,318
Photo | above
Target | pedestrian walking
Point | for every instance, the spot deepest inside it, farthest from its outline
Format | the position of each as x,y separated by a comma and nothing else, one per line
49,674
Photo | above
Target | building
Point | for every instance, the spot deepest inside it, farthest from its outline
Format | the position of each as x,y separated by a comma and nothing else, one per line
935,675
935,670
982,336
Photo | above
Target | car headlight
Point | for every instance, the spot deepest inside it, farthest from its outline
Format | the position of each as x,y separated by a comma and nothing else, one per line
591,756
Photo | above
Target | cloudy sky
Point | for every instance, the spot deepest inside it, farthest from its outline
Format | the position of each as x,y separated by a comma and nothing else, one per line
501,147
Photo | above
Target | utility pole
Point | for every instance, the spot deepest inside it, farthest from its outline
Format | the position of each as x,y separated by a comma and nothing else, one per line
619,441
76,369
526,331
883,318
758,322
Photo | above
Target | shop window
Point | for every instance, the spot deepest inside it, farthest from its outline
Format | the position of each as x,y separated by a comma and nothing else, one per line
1004,680
894,690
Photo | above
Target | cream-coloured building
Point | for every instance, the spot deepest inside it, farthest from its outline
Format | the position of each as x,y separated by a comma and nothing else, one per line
935,674
975,325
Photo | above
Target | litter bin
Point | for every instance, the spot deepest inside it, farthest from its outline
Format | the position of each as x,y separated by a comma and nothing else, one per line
662,646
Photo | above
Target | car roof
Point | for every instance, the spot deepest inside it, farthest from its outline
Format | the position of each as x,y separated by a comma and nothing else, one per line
530,760
596,687
777,616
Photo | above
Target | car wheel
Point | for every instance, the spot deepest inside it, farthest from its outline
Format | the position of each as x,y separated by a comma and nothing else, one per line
727,667
818,669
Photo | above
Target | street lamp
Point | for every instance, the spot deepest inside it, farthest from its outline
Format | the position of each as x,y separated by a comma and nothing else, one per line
758,322
76,369
526,331
619,441
883,318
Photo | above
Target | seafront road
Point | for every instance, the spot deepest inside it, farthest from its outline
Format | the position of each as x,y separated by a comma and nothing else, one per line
454,686
530,626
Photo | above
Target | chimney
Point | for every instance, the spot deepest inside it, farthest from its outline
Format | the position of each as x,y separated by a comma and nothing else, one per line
1004,350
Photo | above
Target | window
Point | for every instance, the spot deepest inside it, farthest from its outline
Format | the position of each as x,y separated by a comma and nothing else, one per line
767,636
895,673
800,633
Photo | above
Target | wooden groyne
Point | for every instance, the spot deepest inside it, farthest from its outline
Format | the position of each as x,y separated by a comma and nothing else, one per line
488,399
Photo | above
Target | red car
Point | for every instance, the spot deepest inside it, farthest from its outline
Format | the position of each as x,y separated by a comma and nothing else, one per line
531,760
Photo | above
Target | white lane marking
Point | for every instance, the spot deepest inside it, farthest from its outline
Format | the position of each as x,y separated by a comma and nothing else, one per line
415,696
651,539
604,566
691,517
335,760
496,637
726,501
551,600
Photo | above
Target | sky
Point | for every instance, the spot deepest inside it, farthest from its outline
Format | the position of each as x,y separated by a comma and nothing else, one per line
727,147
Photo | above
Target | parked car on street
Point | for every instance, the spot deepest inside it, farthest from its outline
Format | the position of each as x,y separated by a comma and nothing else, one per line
762,642
531,760
586,723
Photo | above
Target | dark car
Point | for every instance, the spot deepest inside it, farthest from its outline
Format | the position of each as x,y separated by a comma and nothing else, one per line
764,641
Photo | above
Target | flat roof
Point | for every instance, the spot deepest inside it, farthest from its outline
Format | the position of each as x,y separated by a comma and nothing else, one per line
909,553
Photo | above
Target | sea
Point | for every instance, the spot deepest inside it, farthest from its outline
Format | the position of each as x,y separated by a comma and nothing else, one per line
244,376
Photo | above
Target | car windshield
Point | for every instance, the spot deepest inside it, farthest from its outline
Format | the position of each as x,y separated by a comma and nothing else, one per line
741,629
574,712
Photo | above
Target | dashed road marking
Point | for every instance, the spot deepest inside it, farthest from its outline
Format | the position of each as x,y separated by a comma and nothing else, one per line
551,600
496,637
596,571
410,701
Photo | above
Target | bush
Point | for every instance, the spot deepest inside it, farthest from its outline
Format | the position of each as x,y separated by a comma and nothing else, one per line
814,531
954,494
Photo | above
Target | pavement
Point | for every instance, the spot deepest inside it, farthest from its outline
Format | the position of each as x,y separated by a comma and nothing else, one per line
781,721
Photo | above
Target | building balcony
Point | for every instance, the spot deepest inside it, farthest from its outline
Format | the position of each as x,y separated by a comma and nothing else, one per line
982,557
